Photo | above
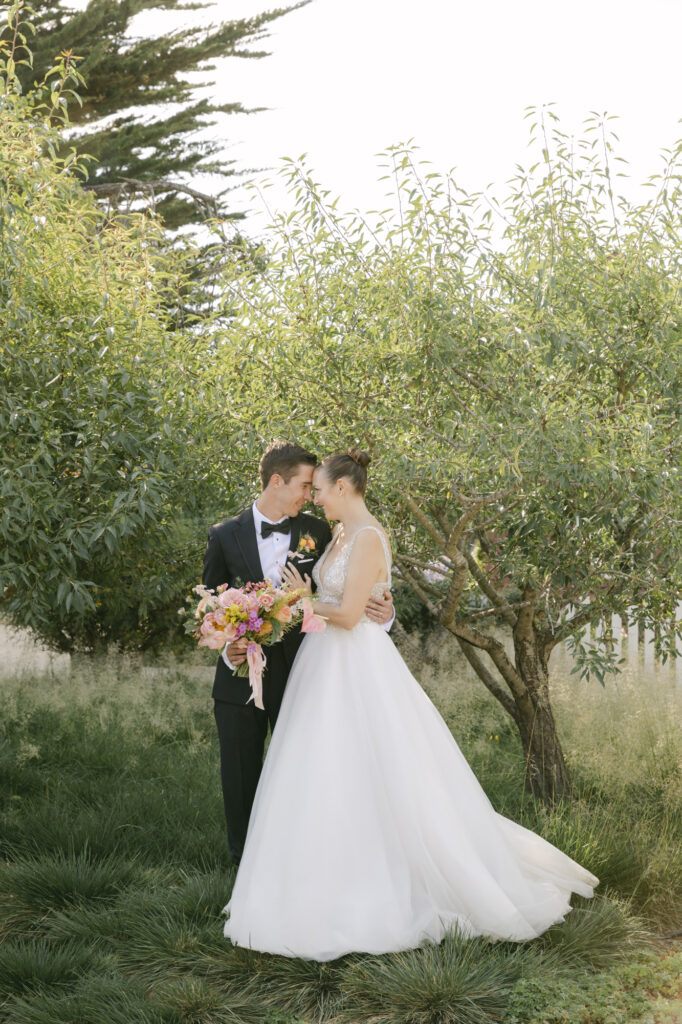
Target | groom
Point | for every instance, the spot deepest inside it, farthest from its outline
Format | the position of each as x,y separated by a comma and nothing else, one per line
249,547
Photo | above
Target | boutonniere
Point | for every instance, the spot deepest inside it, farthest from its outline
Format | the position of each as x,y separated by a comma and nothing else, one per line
306,545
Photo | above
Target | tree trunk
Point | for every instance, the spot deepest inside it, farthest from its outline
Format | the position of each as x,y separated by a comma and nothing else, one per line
522,686
525,697
547,775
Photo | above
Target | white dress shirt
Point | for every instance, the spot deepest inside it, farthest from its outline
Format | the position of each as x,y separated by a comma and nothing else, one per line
272,550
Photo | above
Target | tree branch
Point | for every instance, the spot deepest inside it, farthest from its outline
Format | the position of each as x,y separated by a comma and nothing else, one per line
569,626
419,591
458,529
426,587
486,612
580,618
524,620
500,602
456,589
497,654
424,521
427,566
459,559
488,680
133,186
490,522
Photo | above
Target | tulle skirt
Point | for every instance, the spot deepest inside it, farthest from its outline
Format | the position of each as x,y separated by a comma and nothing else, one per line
370,832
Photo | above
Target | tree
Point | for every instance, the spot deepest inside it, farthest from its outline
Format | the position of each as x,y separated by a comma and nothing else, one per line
104,494
514,369
141,114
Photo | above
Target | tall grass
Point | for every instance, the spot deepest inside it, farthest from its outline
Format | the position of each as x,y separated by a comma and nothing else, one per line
623,745
115,869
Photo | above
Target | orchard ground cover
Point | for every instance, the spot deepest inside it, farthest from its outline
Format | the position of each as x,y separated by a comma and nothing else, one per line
115,868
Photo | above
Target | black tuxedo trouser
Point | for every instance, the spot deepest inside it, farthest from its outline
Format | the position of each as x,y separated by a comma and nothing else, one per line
242,729
241,732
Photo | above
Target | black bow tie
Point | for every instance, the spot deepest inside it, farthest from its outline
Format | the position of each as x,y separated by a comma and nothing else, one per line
267,528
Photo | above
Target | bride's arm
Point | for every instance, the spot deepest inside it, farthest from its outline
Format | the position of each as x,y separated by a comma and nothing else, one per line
366,566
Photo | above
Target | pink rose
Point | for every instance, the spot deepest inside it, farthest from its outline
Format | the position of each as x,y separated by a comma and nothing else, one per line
214,642
208,625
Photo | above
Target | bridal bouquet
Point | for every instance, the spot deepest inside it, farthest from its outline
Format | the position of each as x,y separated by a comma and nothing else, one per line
260,612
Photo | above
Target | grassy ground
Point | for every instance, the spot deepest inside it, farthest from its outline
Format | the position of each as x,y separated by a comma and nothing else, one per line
114,867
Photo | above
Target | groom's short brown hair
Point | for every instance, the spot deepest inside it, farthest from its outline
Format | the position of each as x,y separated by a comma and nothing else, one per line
283,457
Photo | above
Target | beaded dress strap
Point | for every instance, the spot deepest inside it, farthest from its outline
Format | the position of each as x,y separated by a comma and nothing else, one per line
384,544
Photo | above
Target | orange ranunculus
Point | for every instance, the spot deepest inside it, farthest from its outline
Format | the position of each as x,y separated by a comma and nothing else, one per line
283,614
265,629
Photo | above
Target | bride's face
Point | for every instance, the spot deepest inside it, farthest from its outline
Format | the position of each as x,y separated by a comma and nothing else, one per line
326,494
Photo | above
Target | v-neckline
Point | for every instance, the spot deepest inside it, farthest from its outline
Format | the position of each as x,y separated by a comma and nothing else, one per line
322,564
323,561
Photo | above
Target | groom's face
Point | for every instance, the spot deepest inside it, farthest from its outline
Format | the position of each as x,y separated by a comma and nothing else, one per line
294,495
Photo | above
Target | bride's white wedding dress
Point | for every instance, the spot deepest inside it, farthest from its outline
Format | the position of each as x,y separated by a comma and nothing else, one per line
369,831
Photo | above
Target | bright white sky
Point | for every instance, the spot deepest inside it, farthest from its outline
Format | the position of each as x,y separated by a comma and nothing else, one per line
348,77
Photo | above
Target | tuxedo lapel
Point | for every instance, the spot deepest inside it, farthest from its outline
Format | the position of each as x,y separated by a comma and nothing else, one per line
248,543
305,560
295,533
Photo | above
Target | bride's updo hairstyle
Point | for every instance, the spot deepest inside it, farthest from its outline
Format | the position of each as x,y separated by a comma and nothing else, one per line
351,464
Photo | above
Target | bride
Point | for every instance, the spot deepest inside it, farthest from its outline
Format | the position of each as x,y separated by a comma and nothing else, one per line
369,831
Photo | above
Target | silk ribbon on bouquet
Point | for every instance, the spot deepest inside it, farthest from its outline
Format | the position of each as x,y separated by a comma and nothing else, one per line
256,661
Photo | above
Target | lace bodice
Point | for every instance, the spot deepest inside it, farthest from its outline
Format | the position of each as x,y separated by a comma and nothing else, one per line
332,583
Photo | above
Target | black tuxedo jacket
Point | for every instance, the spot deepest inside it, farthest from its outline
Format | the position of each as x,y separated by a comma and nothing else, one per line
232,557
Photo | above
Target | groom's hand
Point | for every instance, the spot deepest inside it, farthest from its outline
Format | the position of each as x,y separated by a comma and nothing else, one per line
236,651
380,609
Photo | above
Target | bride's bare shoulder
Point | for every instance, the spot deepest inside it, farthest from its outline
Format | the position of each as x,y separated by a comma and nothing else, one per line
384,533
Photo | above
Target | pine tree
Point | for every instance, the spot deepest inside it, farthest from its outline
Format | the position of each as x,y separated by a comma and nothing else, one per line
147,144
